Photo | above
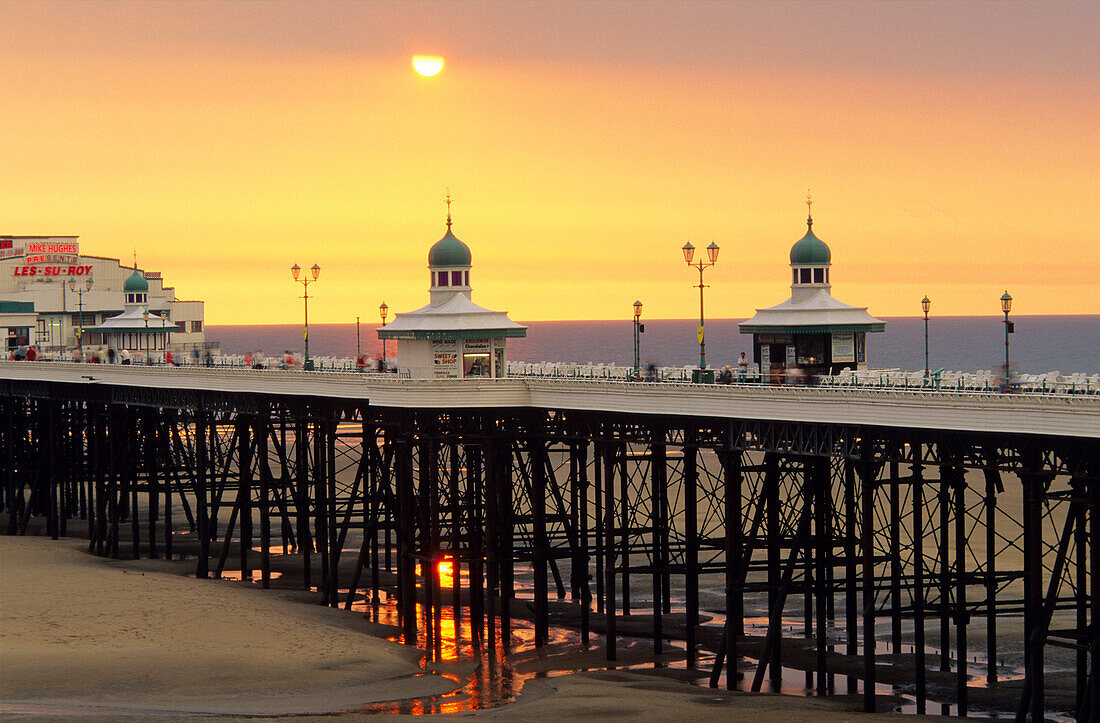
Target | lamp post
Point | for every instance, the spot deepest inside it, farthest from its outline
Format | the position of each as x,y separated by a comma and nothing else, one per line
926,304
295,270
638,329
1006,306
712,254
358,353
382,311
80,298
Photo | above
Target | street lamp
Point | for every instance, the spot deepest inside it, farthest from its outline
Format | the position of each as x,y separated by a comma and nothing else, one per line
1006,306
382,311
295,270
639,328
357,352
712,254
80,297
925,304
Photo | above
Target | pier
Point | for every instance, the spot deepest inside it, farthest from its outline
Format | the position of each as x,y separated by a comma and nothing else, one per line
896,536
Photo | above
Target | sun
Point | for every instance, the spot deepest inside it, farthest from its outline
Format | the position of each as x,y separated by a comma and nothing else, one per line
427,65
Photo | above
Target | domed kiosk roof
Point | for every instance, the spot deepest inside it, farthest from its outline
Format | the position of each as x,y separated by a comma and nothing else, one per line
136,282
810,249
449,251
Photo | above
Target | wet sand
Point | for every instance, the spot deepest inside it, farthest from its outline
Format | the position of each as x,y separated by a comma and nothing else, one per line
84,637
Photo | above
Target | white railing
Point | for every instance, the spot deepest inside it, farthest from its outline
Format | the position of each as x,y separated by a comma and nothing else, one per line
983,381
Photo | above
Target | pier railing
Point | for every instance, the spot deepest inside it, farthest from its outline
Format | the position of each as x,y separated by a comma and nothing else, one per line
982,381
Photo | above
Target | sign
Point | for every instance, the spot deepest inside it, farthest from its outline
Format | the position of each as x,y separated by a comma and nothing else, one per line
445,359
44,257
699,332
65,271
39,247
477,345
765,357
844,347
40,252
791,359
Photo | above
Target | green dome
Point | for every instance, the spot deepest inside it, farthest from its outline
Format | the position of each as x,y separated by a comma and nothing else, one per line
449,251
136,282
810,250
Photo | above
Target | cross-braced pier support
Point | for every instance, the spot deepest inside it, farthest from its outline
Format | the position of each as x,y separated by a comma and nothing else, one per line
916,558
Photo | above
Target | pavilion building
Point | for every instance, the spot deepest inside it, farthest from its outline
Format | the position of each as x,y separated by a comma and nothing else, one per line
811,329
451,337
136,329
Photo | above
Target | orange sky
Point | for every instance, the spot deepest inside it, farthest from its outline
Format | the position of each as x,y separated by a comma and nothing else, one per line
227,142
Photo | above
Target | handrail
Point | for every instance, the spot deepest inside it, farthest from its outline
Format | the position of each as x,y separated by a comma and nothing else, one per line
830,386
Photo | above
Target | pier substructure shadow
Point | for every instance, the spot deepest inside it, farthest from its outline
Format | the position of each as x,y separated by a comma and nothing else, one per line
955,566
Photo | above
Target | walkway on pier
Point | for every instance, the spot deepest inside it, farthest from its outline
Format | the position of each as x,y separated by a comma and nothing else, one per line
1059,415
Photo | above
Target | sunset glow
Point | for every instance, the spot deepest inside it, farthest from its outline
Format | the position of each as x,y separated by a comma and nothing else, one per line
579,162
427,65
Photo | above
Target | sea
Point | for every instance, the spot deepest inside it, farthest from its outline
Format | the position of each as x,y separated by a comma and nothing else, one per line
1040,344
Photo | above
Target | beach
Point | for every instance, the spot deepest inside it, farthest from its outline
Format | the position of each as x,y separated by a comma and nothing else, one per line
87,637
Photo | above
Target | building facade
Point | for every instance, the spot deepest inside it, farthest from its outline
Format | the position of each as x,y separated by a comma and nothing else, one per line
451,337
37,270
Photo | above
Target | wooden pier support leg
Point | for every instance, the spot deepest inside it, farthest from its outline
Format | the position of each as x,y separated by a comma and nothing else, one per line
53,431
918,579
149,425
428,495
130,467
164,458
301,480
851,577
626,498
538,459
599,518
659,523
809,557
244,493
1094,586
1081,567
104,469
476,480
895,559
262,428
456,537
691,551
580,563
945,569
321,504
12,443
824,538
406,564
609,548
116,491
961,614
735,572
507,537
335,540
202,569
868,556
1034,491
775,540
992,488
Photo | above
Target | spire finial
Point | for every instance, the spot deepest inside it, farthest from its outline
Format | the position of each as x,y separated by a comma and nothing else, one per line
809,208
448,209
135,259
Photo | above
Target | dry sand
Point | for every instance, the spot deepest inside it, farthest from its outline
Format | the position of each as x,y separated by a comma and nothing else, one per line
85,637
